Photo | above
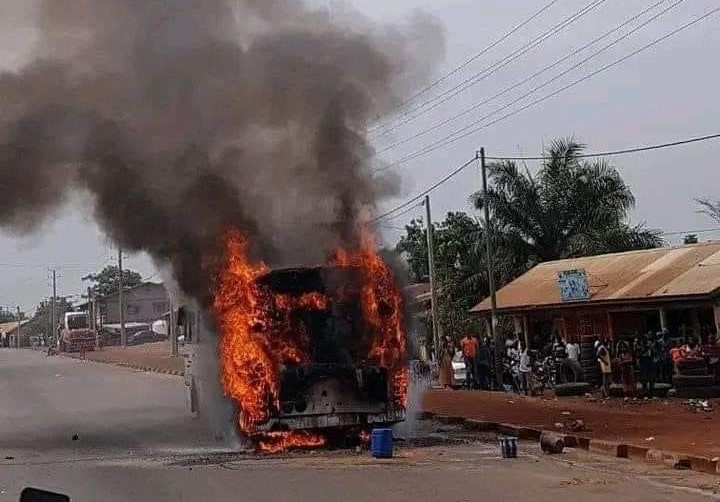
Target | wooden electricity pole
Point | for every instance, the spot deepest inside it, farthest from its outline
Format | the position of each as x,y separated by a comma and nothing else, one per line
499,342
437,326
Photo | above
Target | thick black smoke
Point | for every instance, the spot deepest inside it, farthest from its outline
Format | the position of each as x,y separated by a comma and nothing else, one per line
185,117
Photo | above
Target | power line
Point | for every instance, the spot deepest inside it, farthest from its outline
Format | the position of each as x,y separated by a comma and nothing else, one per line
452,138
383,217
423,193
475,56
493,68
540,72
396,215
625,151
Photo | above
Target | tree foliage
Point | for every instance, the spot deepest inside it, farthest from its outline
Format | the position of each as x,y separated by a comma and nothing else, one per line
106,281
710,208
42,320
454,241
571,207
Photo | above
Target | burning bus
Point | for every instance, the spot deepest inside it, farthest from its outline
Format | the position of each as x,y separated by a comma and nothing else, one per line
309,350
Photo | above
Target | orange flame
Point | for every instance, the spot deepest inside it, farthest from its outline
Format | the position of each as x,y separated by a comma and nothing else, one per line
259,334
281,441
382,310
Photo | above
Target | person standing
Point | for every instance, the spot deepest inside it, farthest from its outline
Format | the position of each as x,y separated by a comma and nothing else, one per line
524,370
482,365
646,358
627,368
469,347
603,357
573,350
446,353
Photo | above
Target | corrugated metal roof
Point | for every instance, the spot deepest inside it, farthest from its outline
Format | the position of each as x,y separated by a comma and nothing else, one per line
9,327
691,270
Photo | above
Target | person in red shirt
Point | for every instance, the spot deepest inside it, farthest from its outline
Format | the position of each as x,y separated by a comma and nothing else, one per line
469,346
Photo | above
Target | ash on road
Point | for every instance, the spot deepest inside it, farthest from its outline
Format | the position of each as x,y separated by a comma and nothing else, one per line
137,442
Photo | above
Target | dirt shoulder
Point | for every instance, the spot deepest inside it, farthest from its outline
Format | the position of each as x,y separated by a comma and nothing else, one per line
150,356
671,423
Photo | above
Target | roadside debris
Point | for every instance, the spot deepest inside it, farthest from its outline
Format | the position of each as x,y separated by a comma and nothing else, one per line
551,444
699,404
683,464
574,425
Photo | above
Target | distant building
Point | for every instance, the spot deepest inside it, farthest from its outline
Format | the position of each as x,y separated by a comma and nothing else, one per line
8,333
144,303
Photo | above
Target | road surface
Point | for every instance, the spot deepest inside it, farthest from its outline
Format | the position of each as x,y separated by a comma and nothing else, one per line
137,442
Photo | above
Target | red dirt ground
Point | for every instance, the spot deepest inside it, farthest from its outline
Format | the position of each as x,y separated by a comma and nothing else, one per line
151,355
674,425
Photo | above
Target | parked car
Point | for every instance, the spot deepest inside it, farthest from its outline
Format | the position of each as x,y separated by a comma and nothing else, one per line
459,371
144,336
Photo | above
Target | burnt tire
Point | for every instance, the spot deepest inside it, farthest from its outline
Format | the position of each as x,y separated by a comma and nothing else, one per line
570,371
694,372
698,392
572,389
691,364
684,381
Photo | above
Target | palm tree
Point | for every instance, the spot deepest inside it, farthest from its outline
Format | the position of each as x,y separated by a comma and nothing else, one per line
571,207
710,208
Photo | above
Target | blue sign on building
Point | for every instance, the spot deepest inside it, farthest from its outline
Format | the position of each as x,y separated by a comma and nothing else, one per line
573,285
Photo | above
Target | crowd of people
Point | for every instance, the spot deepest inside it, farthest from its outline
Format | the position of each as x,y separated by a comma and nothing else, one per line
651,358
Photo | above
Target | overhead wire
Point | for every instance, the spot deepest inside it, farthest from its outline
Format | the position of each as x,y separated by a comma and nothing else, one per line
534,75
436,101
625,151
475,56
383,217
452,138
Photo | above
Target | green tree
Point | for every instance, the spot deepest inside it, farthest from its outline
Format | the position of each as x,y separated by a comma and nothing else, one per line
571,207
42,319
454,243
10,315
106,281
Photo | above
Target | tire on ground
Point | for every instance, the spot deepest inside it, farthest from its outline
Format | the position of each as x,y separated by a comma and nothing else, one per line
570,371
683,381
698,392
572,389
690,364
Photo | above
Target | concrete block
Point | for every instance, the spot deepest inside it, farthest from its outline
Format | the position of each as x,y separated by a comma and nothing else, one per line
618,450
479,425
637,452
443,419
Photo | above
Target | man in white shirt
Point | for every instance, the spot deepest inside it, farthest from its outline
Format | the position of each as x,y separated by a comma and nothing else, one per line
573,351
524,370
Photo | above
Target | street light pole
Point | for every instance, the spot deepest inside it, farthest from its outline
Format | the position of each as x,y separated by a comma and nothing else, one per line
437,326
499,343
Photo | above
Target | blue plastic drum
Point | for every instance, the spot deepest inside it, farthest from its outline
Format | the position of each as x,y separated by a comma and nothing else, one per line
381,443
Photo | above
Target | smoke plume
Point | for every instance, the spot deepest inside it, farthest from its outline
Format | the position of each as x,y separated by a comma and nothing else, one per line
184,117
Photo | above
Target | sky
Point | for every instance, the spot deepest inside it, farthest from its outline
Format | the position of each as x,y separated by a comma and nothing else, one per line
664,94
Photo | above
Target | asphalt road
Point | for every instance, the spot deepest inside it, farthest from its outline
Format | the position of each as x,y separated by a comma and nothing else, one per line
137,442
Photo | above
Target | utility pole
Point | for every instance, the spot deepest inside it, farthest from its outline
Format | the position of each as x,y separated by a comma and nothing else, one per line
437,327
53,315
17,337
172,328
499,343
121,303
